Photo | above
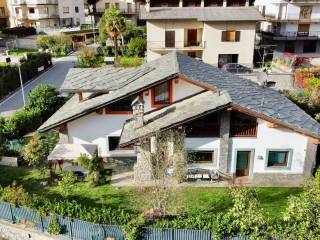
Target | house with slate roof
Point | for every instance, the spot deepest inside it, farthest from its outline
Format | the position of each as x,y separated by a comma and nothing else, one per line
216,31
233,125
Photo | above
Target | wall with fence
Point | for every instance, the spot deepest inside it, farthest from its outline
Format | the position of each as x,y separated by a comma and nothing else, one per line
75,229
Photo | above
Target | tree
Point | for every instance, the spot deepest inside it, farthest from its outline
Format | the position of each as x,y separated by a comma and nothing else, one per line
35,152
113,24
67,182
45,98
137,47
302,216
15,195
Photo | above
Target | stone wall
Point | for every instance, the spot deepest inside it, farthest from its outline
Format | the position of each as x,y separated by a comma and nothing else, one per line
224,141
20,232
142,169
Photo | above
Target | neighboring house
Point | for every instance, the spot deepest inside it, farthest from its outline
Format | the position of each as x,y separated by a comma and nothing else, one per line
216,31
46,13
128,8
4,14
234,125
292,26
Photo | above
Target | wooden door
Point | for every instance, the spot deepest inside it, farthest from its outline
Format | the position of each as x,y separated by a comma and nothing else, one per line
243,163
170,39
192,54
303,29
192,37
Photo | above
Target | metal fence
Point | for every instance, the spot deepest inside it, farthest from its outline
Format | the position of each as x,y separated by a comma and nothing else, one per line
75,229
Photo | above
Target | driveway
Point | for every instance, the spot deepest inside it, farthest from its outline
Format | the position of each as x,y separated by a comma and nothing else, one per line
54,76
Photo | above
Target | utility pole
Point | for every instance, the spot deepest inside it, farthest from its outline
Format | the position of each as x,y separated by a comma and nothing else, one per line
21,83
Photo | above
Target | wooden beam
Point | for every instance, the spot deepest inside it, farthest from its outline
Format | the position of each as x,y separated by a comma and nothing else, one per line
314,140
272,125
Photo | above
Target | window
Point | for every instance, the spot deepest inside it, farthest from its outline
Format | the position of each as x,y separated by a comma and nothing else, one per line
65,9
207,126
113,143
46,10
2,12
117,5
309,46
161,94
31,10
305,12
170,39
230,36
107,5
76,9
227,58
242,125
121,107
200,157
17,10
278,158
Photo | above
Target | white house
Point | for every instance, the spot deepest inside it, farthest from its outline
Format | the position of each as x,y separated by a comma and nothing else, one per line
293,26
217,31
233,125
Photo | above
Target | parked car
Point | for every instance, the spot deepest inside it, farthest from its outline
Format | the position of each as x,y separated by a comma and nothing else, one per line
236,68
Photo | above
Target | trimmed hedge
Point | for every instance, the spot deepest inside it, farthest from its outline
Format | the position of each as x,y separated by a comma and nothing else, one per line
9,73
20,31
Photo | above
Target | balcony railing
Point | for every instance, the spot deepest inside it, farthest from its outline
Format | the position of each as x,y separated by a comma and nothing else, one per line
243,130
187,45
122,10
37,16
33,2
293,35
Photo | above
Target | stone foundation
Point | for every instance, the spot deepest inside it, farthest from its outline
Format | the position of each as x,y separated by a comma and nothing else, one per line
277,179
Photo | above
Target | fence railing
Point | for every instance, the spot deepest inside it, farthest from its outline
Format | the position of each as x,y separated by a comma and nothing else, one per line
175,44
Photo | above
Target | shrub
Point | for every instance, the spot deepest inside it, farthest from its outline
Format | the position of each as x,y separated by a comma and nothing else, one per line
93,166
20,31
46,98
137,47
54,226
302,217
59,44
134,31
245,218
133,228
15,195
130,61
67,182
35,152
88,58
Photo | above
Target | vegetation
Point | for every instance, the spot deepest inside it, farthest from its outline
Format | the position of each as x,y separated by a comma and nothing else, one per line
112,23
129,61
9,74
134,31
94,167
89,58
35,152
67,182
137,47
15,195
20,31
58,44
21,51
54,226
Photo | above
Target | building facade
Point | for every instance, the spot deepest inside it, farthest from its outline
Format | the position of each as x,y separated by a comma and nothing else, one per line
291,26
218,32
4,14
46,13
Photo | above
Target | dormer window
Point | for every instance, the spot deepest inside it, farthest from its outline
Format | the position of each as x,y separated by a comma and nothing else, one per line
161,94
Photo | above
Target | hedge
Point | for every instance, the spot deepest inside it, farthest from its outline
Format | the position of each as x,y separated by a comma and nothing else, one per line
9,73
20,31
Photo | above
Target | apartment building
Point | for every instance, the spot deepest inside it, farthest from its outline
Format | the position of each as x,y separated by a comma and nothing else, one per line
292,26
4,14
217,31
128,8
46,13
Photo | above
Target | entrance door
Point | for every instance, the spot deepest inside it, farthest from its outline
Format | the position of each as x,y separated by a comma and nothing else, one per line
243,163
170,39
192,37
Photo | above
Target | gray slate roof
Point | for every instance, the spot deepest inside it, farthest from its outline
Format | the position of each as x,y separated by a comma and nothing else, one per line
175,114
101,79
203,14
243,93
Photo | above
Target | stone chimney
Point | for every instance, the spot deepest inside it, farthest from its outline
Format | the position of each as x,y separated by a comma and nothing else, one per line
147,5
138,111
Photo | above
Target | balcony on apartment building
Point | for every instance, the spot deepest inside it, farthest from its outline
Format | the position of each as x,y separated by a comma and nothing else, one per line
127,9
292,35
191,42
25,16
200,3
33,2
304,16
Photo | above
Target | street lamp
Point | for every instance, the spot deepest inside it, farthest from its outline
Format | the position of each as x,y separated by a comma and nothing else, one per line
21,83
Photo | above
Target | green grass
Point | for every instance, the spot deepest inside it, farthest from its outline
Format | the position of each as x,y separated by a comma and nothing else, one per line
193,199
20,51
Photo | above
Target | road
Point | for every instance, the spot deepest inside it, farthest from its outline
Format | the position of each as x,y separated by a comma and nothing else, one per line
54,76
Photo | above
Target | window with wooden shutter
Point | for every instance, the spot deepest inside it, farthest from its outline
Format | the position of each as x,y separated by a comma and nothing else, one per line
230,36
170,39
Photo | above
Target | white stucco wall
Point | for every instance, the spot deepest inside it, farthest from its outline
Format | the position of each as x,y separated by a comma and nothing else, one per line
72,14
95,128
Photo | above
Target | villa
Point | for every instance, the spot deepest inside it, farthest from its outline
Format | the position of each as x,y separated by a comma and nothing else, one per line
234,125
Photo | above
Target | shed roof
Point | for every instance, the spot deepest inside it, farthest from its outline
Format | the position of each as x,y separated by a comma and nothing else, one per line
71,152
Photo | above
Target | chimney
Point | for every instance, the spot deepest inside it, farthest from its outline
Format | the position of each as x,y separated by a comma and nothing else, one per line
138,112
147,5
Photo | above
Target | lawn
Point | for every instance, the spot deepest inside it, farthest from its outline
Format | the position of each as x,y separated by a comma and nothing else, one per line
193,199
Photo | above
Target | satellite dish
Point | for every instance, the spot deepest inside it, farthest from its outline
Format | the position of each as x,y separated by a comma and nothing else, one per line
262,78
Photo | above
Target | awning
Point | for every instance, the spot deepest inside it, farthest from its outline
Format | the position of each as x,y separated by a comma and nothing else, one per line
71,152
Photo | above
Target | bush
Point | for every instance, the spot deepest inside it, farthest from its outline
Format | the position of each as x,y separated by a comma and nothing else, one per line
133,228
67,182
302,217
134,31
54,227
245,218
15,195
137,47
59,44
35,152
94,167
9,74
130,61
20,31
88,58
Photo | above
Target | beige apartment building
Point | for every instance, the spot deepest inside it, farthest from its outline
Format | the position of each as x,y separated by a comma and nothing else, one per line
4,14
216,31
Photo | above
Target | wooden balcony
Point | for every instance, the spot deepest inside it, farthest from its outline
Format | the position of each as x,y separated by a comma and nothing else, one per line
243,130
